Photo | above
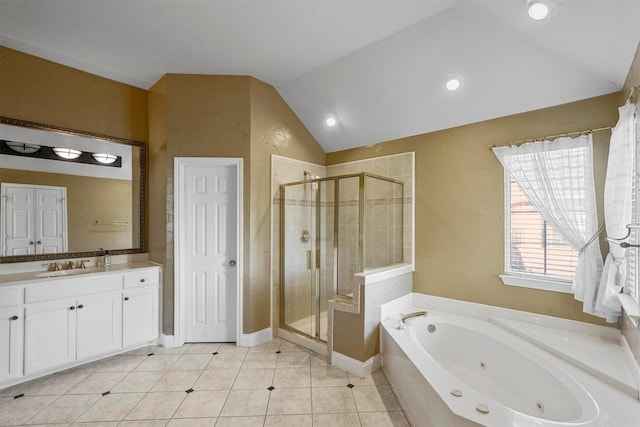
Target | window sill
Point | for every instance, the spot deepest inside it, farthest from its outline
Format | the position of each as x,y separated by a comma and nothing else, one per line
537,283
631,307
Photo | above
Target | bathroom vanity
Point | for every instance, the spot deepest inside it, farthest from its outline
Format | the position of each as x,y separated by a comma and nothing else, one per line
55,320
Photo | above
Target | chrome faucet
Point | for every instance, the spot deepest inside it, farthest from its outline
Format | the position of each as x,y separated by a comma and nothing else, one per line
402,322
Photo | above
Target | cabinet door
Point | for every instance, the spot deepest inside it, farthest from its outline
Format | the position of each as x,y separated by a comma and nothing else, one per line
50,334
140,315
99,324
11,343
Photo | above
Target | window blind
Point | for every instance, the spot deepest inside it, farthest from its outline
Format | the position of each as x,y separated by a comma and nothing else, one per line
535,247
632,255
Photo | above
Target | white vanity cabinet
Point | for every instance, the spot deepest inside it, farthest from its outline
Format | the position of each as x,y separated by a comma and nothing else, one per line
50,334
140,307
11,342
55,323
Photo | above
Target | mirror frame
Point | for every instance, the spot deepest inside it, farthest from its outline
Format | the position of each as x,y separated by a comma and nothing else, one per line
142,191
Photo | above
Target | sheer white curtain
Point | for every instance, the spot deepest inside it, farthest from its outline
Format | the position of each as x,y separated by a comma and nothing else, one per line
617,208
557,178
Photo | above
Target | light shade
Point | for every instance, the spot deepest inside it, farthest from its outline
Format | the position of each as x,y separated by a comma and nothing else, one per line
67,153
105,158
23,147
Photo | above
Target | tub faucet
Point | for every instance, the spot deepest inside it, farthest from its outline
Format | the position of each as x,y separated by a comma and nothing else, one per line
401,323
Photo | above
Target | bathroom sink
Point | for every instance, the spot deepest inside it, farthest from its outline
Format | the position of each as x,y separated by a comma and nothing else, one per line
62,273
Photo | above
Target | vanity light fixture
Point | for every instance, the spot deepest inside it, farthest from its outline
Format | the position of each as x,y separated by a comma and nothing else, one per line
22,147
105,158
67,153
331,121
540,9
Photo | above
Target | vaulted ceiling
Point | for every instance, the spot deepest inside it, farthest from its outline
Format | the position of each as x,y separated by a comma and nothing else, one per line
378,67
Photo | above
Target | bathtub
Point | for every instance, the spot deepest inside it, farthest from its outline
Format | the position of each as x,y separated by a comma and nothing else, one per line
460,371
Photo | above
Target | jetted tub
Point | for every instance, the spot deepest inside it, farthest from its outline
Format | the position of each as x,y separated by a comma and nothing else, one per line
459,371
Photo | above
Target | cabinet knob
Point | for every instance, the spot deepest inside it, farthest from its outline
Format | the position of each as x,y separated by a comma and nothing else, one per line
13,318
232,263
143,280
31,242
81,306
126,298
72,308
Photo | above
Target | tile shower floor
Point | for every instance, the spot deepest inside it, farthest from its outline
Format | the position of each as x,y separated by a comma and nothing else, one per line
274,384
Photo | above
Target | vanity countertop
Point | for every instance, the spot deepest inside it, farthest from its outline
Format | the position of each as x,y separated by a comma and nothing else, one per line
40,276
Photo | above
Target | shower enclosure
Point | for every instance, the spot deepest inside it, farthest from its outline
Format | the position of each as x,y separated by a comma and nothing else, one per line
330,229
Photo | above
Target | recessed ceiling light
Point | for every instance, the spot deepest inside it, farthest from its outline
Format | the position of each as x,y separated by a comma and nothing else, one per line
540,9
67,153
331,121
453,83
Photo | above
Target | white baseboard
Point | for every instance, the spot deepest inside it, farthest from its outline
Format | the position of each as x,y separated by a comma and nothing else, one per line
167,341
250,340
356,367
246,340
315,346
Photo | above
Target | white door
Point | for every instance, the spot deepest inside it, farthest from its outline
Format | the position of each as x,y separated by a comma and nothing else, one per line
207,241
50,220
50,335
33,219
18,222
99,324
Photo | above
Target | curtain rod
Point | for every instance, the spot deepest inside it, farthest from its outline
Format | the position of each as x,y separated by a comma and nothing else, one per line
552,137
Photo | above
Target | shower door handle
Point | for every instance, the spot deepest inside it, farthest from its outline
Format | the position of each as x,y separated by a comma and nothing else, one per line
309,260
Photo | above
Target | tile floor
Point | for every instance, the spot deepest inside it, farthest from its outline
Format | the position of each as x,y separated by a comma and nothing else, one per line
274,384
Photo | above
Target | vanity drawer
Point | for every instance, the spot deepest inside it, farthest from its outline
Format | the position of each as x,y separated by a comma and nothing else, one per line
10,296
139,278
72,288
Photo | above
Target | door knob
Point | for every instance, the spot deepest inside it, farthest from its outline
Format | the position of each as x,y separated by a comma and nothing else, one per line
232,263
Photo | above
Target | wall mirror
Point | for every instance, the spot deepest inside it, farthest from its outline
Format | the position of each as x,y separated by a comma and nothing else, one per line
68,193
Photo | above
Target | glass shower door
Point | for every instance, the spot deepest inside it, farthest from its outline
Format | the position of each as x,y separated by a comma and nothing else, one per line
299,294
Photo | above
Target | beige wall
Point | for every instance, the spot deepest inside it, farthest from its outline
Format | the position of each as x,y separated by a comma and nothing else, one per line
88,199
458,180
275,129
192,116
38,90
459,202
222,116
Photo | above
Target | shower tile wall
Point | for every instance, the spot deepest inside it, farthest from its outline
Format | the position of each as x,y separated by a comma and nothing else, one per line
400,167
284,170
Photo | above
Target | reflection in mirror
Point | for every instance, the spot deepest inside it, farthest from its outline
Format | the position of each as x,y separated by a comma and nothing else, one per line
67,193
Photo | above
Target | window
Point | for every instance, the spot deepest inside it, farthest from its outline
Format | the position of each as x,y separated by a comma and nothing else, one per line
535,250
550,181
